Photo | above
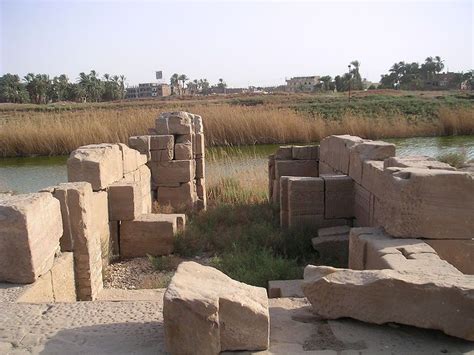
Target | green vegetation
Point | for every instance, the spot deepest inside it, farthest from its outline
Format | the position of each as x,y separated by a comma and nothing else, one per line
455,159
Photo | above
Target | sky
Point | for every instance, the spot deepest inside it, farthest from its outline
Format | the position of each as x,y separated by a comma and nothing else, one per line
245,42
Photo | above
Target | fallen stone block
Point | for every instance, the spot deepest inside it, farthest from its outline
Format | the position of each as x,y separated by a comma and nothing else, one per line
285,288
421,299
150,234
335,151
305,152
163,142
305,196
459,253
98,164
304,168
125,201
174,123
180,198
339,196
172,172
140,143
30,229
416,161
368,150
284,153
183,151
332,245
206,312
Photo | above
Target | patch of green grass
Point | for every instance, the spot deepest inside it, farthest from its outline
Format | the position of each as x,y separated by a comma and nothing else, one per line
455,159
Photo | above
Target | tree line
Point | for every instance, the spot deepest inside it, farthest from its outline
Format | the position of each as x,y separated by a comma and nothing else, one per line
180,84
41,89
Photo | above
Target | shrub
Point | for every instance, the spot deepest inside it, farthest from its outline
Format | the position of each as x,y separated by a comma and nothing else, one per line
455,159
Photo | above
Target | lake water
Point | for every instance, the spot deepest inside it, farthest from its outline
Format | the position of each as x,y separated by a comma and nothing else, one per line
22,175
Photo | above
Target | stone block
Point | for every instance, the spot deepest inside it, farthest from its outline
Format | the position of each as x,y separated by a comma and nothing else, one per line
198,125
180,198
421,299
163,155
304,168
284,184
305,196
339,196
132,176
368,150
285,288
305,152
332,245
63,280
114,228
140,143
416,161
459,253
373,177
172,172
363,206
206,312
66,241
151,234
125,201
183,151
199,146
284,153
174,123
185,138
200,168
201,187
98,164
100,220
164,142
428,203
30,229
41,291
316,221
335,151
131,158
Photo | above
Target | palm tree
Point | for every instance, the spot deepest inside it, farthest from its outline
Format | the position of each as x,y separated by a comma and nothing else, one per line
183,78
174,83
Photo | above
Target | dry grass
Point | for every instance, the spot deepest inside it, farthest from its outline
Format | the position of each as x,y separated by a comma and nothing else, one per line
45,133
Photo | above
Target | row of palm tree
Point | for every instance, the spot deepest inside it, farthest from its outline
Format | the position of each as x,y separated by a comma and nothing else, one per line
179,82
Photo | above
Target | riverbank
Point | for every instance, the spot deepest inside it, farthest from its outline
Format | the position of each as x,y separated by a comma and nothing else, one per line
58,129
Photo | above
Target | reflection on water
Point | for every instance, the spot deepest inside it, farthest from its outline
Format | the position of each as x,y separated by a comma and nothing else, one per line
31,174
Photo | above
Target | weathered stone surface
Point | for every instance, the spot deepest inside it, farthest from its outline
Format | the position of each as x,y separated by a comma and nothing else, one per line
316,221
100,221
174,123
368,150
161,142
131,158
363,206
459,253
416,161
98,164
114,227
145,188
332,245
427,203
339,196
305,168
284,153
30,229
285,288
305,196
199,146
201,187
335,151
66,241
198,125
326,169
425,300
305,152
183,151
163,155
180,198
200,168
178,218
148,234
373,177
140,143
206,312
125,201
172,172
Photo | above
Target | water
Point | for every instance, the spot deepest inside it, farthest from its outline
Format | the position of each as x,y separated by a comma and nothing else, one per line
23,175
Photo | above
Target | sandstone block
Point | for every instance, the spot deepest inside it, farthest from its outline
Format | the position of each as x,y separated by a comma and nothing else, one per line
206,312
148,234
30,229
140,143
383,296
373,177
363,206
304,168
180,198
459,253
178,218
305,196
200,168
125,201
326,169
173,123
284,153
172,172
162,155
131,158
339,196
63,280
306,152
198,125
416,161
332,245
335,151
201,187
67,239
114,227
100,220
98,164
163,142
285,288
183,151
199,146
368,150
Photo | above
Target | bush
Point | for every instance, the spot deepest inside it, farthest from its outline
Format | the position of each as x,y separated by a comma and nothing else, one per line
455,159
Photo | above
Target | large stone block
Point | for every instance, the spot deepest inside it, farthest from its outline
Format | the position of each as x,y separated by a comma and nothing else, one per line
172,172
125,201
305,196
140,143
164,142
100,220
180,198
305,168
285,288
198,124
459,253
98,164
368,150
145,188
363,206
163,155
421,299
183,151
206,312
174,123
339,196
131,158
326,169
30,229
373,177
147,234
199,146
284,153
305,152
335,151
416,161
428,203
200,168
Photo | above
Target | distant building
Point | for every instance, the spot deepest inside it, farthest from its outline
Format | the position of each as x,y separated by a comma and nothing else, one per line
149,90
302,83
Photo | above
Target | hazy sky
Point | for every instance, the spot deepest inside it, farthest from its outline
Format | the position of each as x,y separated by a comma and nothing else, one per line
246,43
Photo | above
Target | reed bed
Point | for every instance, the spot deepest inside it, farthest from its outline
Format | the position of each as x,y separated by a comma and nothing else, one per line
26,133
